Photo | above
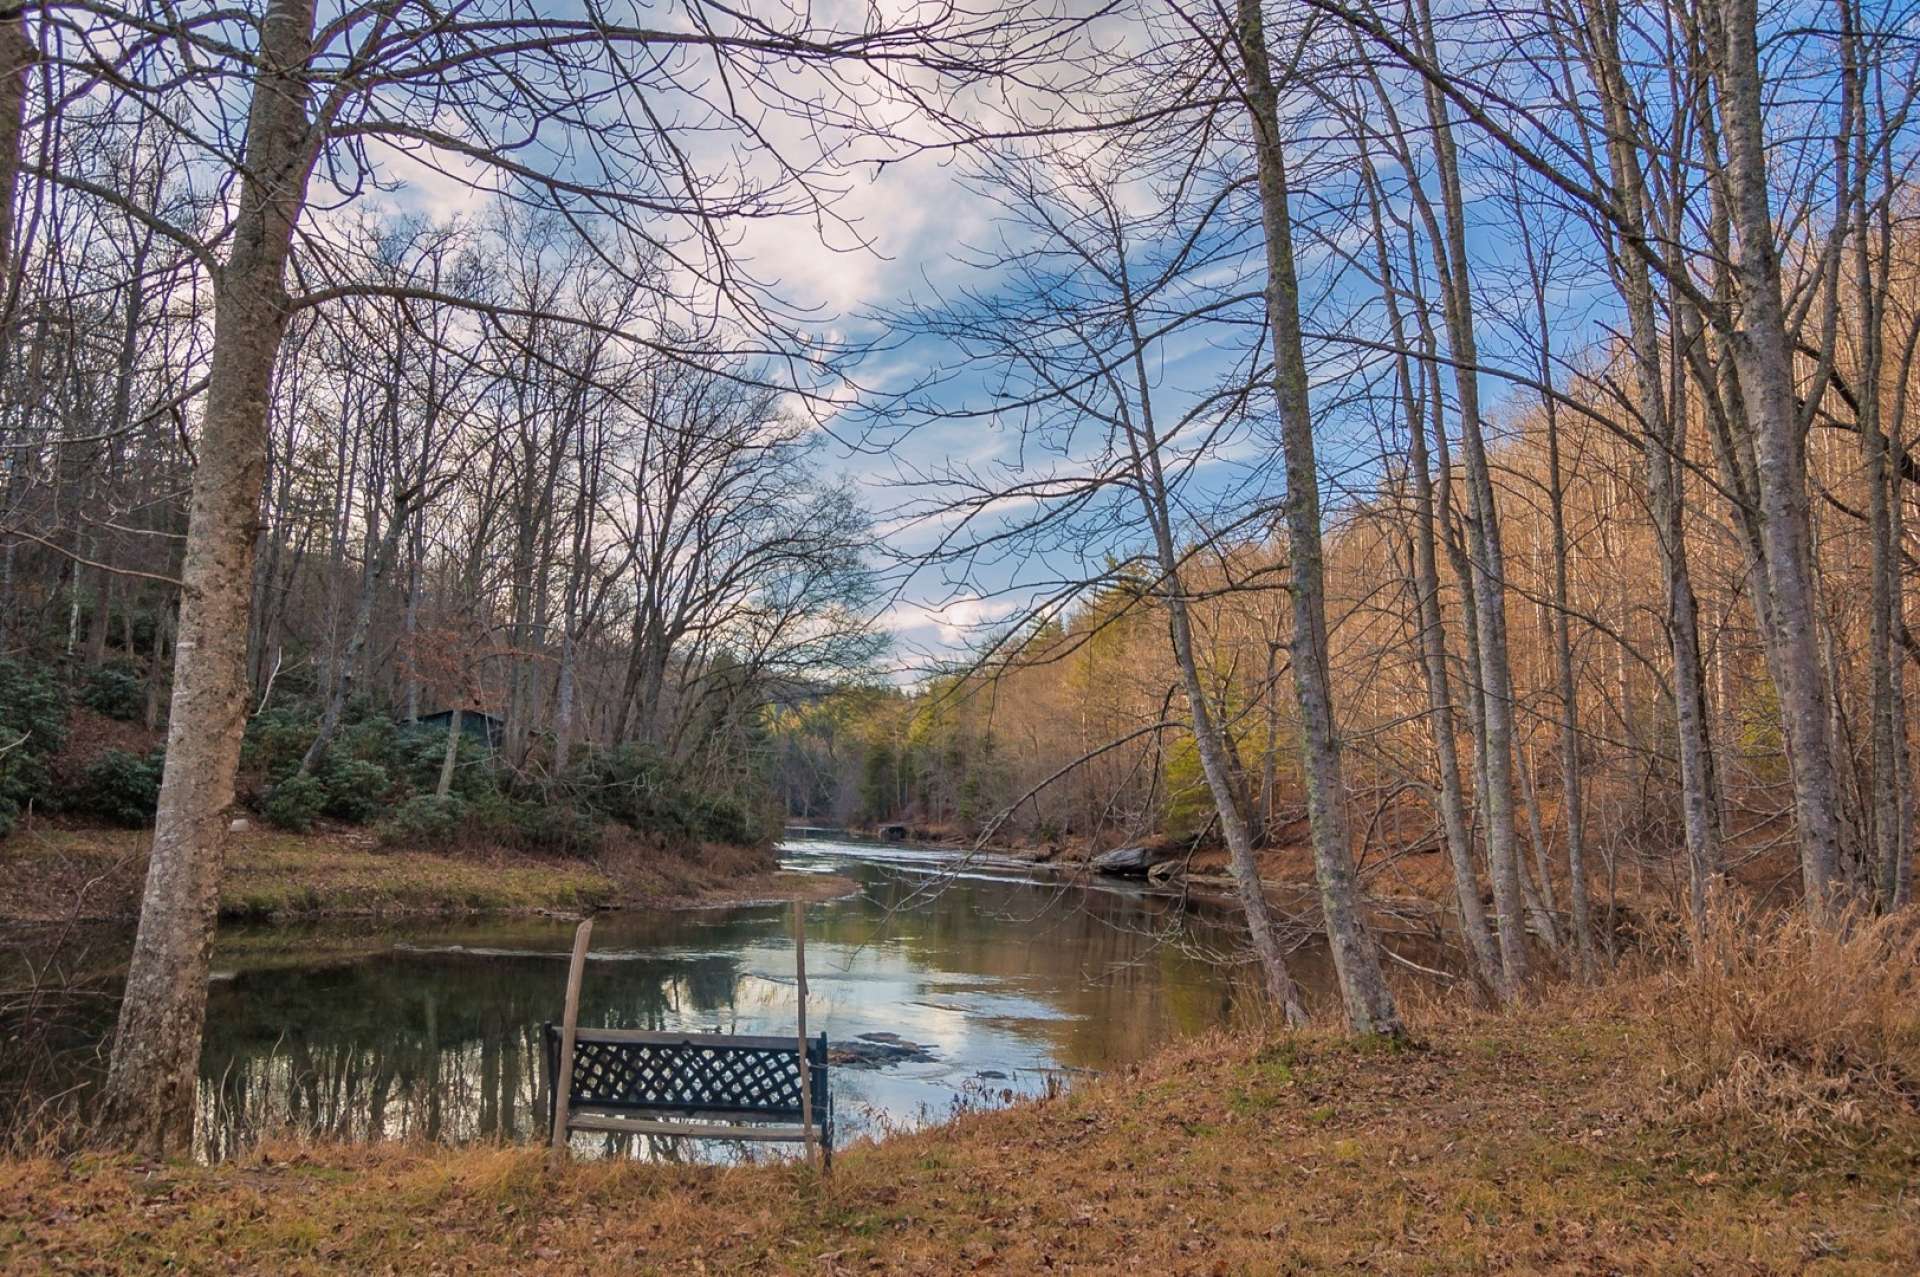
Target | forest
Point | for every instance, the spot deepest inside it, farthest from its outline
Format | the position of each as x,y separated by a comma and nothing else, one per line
1427,487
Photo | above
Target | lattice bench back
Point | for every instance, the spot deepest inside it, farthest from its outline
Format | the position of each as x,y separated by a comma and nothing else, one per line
693,1074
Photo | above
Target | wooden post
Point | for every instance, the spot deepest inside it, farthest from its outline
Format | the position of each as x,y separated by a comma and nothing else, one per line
569,1025
806,1072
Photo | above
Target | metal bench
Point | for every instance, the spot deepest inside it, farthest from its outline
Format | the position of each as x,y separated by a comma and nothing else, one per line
708,1086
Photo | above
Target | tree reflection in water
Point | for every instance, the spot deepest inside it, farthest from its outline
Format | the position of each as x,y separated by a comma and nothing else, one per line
431,1031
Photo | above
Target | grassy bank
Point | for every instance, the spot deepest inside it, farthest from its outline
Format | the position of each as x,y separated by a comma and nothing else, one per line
54,874
1577,1136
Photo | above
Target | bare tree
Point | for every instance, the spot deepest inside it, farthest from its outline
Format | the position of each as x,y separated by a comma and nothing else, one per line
1369,1004
452,90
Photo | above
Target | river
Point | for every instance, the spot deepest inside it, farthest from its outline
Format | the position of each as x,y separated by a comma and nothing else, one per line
1008,982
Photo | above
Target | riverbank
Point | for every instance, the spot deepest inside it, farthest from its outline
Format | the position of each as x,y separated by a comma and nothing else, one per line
1580,1135
55,875
1406,891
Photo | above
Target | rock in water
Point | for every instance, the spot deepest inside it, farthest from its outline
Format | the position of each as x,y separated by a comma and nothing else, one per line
878,1051
1126,862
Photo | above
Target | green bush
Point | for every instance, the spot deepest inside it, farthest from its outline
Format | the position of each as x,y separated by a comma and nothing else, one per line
645,790
724,818
636,786
420,752
117,690
1188,808
493,818
426,820
295,803
555,829
33,727
277,740
374,739
356,791
121,788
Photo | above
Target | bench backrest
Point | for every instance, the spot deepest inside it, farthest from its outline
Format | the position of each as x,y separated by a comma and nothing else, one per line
635,1069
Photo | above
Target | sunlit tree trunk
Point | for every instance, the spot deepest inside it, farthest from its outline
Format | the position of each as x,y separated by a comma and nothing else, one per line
1369,1004
450,759
1763,359
148,1100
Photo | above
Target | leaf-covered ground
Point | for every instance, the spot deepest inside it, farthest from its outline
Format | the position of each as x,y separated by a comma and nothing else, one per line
1543,1141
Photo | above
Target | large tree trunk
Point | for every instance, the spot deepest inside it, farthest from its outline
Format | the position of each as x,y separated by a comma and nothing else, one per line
148,1102
1363,987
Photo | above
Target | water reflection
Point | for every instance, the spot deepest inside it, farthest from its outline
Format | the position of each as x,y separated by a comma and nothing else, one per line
432,1031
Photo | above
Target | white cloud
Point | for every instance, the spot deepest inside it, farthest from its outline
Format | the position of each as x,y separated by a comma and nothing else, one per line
951,626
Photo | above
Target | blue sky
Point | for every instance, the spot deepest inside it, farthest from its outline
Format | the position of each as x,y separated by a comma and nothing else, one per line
909,228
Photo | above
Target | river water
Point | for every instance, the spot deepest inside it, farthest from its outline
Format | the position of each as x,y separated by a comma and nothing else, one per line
1008,982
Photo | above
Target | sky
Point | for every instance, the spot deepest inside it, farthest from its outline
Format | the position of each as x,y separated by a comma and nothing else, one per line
914,230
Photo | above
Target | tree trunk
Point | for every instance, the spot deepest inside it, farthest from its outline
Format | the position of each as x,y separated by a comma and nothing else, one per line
337,697
1663,445
410,621
17,56
1471,913
1896,870
563,701
451,757
1878,870
1539,885
102,608
1233,825
149,1096
1487,561
1572,803
1363,987
1270,756
1763,361
1208,735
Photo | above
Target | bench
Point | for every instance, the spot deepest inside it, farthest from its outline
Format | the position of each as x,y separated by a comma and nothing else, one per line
709,1086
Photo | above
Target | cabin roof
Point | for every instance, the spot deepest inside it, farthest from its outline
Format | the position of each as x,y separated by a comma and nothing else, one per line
466,711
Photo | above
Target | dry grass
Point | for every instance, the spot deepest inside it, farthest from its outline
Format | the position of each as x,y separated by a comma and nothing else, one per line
650,874
1520,1142
61,874
287,875
1814,1031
